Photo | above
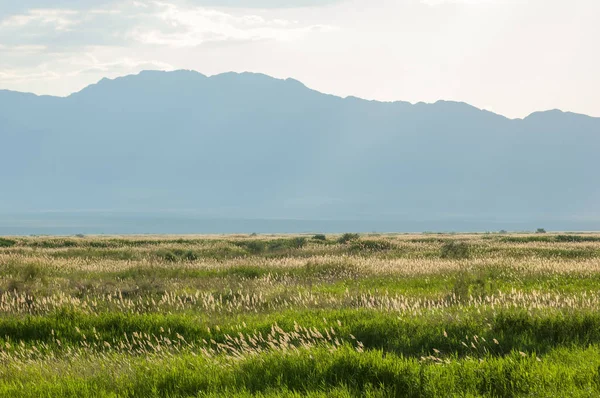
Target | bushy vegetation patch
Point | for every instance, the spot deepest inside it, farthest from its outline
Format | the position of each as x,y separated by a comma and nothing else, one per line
7,242
455,250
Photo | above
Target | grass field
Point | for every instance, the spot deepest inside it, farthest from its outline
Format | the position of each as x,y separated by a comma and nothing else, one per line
280,316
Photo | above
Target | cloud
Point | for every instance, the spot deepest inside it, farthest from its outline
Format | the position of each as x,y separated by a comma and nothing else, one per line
178,26
91,64
24,49
19,76
49,28
21,6
146,22
59,20
73,66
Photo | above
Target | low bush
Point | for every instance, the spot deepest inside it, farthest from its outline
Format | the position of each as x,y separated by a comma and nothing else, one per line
371,245
176,255
455,250
348,237
7,242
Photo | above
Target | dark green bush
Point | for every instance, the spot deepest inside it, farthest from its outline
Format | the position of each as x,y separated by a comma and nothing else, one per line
429,240
273,246
577,238
371,245
455,250
176,255
298,243
319,237
252,246
54,243
170,256
277,245
348,237
283,244
526,239
190,256
7,242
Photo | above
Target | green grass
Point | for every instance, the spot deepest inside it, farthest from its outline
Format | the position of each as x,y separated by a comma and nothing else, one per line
255,316
315,372
409,335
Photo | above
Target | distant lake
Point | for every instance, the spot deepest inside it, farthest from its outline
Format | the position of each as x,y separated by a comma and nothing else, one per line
119,223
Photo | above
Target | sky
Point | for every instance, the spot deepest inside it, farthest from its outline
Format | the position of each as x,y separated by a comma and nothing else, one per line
512,57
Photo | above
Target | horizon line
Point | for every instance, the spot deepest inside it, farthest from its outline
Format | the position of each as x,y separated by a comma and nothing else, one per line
298,81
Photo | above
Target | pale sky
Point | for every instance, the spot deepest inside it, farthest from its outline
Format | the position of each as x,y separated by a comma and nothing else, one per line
512,57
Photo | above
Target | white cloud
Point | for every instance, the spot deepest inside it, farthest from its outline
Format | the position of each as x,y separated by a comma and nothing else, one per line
149,22
94,63
105,12
88,63
23,49
178,26
59,20
19,76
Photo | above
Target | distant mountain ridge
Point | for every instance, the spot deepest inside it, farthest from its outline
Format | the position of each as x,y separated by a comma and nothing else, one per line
248,145
190,74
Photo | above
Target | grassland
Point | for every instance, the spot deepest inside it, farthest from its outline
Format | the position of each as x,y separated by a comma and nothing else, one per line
244,316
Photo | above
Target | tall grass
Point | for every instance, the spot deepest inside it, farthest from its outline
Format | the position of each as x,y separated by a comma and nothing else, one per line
387,315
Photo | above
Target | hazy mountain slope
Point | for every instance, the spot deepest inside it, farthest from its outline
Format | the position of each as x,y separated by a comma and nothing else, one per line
253,146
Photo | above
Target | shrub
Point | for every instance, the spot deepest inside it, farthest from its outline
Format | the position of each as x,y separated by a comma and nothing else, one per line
319,237
190,256
455,250
348,237
282,244
540,231
298,243
252,246
7,242
577,238
54,243
275,245
176,255
526,239
170,256
371,245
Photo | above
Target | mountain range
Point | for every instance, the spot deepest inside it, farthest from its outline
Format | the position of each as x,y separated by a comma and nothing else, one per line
251,146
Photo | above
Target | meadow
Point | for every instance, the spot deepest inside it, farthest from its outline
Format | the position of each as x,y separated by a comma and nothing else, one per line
429,315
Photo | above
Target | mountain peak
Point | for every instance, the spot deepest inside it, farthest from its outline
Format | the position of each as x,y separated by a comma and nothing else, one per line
549,112
257,146
143,81
185,80
558,115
